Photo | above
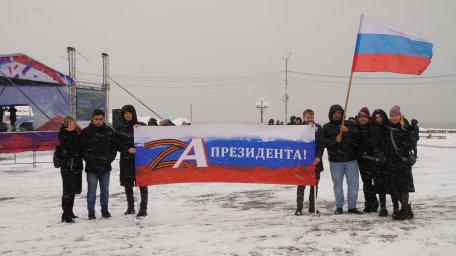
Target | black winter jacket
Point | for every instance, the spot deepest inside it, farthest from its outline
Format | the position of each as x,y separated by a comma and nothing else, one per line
399,172
319,147
403,138
125,141
72,166
98,148
346,150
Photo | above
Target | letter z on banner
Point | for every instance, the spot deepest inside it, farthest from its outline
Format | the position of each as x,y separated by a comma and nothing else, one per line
225,153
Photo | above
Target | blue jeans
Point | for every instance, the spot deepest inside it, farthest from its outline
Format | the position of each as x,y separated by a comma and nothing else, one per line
350,171
92,182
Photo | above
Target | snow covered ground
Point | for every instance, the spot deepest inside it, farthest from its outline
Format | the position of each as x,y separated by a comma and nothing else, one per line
226,219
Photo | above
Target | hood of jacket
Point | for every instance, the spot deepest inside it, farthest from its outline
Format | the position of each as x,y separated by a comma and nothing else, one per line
333,109
384,115
132,110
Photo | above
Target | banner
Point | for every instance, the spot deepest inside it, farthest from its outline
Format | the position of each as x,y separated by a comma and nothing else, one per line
239,153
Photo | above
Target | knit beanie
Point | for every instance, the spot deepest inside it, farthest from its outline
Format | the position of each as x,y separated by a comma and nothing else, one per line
364,112
396,110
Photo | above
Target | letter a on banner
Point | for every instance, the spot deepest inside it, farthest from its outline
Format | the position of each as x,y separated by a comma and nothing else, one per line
199,154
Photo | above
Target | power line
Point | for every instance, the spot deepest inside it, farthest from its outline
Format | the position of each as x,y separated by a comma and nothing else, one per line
185,79
121,86
379,84
373,78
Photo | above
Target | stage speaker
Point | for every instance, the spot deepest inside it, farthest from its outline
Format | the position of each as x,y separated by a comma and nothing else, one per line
117,118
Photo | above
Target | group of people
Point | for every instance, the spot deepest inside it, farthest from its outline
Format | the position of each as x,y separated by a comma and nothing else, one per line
97,145
375,146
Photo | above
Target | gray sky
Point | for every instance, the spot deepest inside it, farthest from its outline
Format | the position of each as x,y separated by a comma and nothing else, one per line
222,56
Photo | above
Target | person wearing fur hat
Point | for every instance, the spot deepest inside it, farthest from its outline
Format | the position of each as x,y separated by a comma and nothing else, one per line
366,165
125,145
341,143
379,138
399,146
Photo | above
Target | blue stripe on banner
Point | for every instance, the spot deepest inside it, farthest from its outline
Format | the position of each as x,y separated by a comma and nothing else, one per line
391,44
275,155
233,153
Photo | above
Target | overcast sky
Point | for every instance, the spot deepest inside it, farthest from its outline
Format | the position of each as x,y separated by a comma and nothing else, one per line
222,56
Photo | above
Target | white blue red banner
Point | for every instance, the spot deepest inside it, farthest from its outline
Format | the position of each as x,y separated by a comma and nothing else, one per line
225,153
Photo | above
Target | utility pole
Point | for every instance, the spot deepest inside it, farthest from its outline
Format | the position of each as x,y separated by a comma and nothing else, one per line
261,105
72,73
105,85
285,97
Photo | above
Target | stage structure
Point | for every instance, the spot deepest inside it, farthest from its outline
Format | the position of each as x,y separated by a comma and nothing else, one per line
25,81
51,96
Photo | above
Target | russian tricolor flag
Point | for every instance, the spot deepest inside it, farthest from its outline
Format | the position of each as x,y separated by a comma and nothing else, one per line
382,47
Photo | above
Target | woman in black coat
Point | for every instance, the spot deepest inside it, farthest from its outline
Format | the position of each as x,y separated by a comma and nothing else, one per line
125,145
399,146
379,137
71,169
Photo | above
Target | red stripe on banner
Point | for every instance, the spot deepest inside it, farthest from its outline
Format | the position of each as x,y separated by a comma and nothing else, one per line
389,63
286,176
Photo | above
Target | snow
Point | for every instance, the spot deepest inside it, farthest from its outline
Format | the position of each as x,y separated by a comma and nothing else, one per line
225,219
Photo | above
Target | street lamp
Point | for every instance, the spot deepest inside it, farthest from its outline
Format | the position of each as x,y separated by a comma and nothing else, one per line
261,105
285,97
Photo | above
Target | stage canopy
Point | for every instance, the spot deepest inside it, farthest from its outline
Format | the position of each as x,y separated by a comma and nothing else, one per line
29,82
25,81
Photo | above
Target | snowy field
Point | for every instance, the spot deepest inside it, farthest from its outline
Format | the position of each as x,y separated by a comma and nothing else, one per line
226,219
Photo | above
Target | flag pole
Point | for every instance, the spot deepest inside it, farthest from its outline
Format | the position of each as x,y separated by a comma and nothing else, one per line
346,99
351,76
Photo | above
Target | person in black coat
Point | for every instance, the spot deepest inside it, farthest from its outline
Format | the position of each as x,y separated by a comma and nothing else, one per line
98,149
341,143
71,169
366,165
13,117
399,146
379,138
308,116
125,145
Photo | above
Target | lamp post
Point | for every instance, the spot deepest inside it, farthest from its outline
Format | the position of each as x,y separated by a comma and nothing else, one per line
261,105
285,97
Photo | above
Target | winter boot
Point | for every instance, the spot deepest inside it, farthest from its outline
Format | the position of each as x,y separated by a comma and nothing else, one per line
130,211
383,212
142,212
92,216
403,214
354,210
71,208
312,197
66,218
374,206
367,208
395,210
338,210
312,210
106,214
409,209
130,201
298,212
65,207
